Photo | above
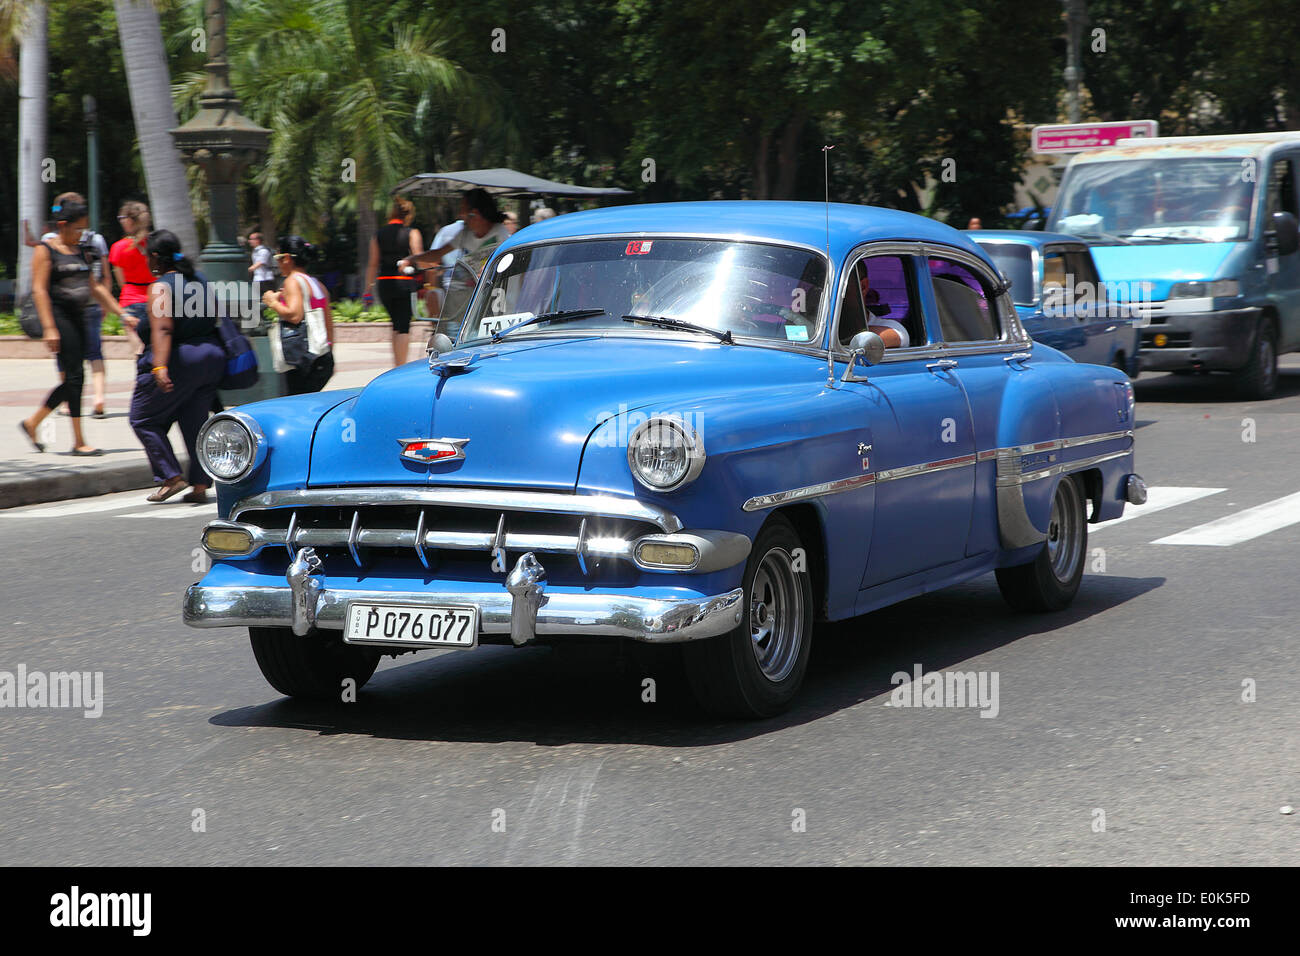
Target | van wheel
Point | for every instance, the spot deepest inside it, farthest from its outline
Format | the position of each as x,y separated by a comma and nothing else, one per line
313,666
1051,580
756,669
1257,379
1121,363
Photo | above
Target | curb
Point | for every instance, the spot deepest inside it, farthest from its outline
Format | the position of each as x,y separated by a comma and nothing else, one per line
62,484
121,347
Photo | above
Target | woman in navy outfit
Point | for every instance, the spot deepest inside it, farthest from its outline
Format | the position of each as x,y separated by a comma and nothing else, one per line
179,369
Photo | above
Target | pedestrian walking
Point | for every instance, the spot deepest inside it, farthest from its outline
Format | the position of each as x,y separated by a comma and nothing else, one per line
395,240
306,322
260,269
130,267
482,232
179,368
94,314
63,284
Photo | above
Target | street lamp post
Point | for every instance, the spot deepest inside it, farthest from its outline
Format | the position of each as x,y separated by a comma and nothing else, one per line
1076,18
223,142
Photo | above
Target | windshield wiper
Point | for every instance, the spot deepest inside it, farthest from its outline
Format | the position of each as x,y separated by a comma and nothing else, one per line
1157,238
664,322
1106,236
564,315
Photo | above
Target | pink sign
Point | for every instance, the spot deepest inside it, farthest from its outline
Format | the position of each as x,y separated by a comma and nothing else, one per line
1080,136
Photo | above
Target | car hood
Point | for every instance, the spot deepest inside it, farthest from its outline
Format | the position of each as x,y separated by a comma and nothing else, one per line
528,407
1161,264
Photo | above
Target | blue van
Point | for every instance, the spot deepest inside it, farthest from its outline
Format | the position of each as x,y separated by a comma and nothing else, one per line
1199,233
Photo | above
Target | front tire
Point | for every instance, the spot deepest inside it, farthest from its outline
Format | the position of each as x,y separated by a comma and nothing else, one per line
313,666
756,669
1257,379
1051,580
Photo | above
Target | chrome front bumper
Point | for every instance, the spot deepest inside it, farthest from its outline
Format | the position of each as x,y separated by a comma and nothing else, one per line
522,610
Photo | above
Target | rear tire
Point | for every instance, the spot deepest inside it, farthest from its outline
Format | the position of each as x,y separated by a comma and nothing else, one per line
1257,379
313,666
756,669
1051,580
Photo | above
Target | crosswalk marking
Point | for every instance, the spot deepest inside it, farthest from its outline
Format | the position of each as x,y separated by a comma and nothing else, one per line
1242,526
82,507
1158,499
174,511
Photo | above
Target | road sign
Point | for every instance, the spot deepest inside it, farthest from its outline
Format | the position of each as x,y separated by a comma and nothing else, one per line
1077,137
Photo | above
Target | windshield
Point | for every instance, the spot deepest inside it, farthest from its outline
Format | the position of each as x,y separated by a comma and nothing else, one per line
746,288
1157,200
1015,261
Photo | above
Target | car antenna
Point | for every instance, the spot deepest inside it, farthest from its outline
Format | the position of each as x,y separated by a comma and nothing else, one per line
826,181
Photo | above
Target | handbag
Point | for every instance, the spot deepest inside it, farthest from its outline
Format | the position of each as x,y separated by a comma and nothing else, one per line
241,360
30,319
318,342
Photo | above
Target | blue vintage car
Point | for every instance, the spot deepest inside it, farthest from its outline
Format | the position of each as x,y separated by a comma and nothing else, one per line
1061,299
671,423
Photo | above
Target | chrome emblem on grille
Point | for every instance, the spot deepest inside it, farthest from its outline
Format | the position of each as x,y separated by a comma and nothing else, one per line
433,449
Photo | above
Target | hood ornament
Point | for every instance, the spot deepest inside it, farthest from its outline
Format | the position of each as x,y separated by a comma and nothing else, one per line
444,365
428,450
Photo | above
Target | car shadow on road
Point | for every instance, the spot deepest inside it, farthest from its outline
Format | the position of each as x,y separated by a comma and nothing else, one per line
594,694
1199,389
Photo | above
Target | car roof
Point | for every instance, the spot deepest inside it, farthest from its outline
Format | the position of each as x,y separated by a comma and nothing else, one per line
1169,147
774,221
1028,237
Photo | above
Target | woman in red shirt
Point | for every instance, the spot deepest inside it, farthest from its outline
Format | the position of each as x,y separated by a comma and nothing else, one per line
130,266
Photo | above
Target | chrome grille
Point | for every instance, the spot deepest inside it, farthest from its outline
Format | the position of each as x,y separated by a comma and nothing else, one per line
426,531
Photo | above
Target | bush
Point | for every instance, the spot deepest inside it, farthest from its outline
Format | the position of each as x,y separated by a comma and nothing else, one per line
354,310
9,324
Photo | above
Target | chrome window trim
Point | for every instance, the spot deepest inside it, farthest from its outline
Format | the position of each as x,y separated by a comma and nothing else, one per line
494,499
868,250
1036,264
1007,458
819,251
1013,335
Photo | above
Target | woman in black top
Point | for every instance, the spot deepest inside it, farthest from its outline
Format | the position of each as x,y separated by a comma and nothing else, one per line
63,285
395,240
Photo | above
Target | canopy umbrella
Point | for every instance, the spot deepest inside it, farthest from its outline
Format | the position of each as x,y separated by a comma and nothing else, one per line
499,182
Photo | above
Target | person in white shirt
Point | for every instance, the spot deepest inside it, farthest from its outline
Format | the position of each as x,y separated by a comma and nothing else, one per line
263,275
482,230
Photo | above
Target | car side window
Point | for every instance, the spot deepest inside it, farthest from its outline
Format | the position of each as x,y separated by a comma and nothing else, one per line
881,296
1281,189
967,312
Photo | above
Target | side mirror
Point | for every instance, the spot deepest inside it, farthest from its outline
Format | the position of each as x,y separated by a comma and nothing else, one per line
867,346
1285,234
439,343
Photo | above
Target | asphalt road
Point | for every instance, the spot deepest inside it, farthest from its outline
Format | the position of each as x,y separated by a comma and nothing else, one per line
1129,703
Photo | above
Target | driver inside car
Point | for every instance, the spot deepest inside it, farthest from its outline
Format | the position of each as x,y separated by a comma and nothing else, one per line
893,334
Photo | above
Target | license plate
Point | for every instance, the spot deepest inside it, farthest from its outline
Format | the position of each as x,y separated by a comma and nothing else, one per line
411,625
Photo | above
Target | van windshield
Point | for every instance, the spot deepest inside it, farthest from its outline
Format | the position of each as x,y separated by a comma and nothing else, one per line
1157,200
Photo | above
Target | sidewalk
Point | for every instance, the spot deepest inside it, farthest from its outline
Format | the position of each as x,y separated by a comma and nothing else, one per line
29,477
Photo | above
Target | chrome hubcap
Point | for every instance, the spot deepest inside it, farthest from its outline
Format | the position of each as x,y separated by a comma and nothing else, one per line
1064,549
776,615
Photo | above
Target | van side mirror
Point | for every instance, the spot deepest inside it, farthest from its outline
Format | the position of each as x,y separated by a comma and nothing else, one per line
1285,235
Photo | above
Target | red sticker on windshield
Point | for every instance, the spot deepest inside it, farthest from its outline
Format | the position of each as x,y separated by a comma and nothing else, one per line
639,247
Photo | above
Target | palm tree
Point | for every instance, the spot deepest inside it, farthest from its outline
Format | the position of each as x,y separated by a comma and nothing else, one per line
148,79
25,23
339,84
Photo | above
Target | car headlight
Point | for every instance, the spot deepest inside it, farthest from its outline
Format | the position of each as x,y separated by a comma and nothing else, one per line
665,453
230,446
1218,289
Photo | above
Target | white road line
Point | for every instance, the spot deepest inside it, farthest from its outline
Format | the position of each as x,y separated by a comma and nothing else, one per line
173,511
1242,526
1158,499
81,507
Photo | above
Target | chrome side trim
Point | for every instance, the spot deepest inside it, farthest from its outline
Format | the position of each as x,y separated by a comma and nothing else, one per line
654,620
1008,462
1007,480
495,499
760,502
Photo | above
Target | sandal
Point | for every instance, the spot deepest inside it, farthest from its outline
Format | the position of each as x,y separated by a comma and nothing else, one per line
167,490
99,413
31,437
88,453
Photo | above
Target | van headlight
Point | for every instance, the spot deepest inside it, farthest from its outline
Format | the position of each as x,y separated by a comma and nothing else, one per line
231,446
664,454
1218,289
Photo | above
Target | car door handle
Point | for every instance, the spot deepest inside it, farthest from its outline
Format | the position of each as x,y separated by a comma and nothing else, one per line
1018,357
942,365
